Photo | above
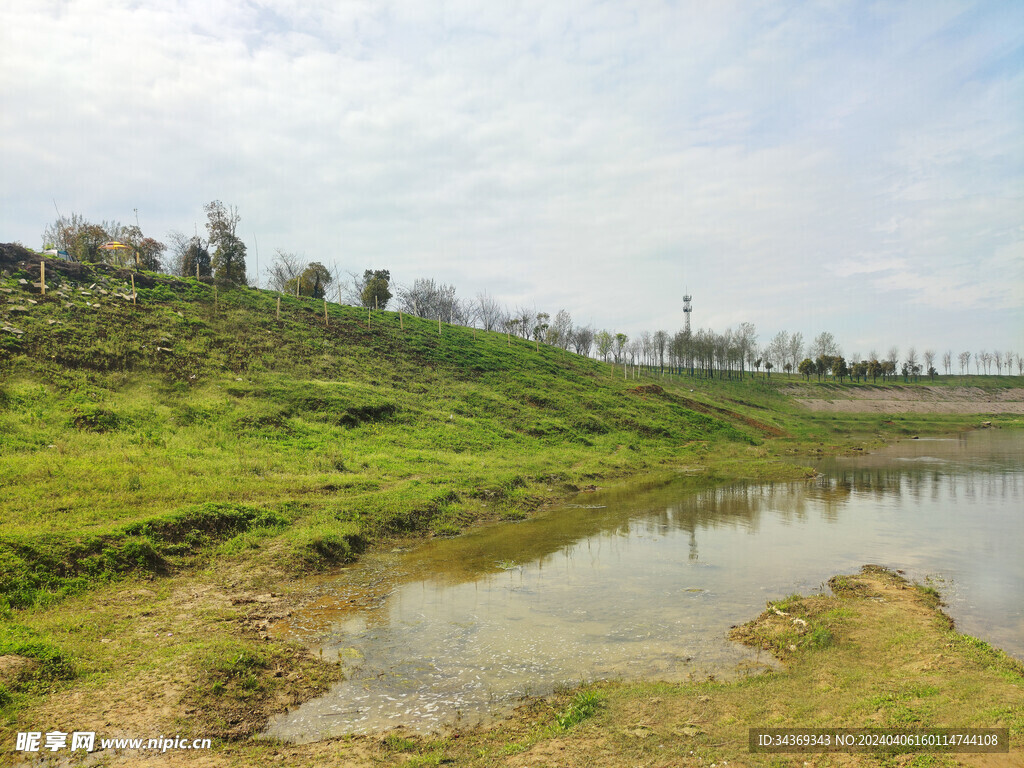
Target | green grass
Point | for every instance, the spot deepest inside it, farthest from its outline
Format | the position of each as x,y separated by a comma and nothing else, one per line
582,706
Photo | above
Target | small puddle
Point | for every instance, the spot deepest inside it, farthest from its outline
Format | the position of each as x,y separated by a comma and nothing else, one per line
646,584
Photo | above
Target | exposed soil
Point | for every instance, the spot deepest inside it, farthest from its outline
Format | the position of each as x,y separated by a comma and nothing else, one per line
768,430
918,399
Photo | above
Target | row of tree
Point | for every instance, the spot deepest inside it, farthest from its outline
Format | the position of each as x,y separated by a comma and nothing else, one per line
734,353
221,254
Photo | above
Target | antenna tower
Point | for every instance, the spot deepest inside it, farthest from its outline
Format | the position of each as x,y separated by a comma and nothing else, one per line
687,309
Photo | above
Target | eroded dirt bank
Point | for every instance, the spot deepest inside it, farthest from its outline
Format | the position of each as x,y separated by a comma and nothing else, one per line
917,399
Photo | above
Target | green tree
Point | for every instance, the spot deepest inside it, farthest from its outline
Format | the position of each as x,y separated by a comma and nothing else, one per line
228,261
76,235
376,292
838,367
806,367
195,260
540,328
187,253
621,340
314,280
145,250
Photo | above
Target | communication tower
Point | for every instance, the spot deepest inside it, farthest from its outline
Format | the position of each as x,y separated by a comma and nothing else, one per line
687,309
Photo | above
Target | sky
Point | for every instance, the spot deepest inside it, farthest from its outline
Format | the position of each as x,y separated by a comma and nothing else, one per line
851,167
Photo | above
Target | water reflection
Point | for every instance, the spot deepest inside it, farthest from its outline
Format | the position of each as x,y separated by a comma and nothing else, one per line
647,584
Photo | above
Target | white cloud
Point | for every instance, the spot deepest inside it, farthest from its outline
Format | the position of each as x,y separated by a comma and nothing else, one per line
782,160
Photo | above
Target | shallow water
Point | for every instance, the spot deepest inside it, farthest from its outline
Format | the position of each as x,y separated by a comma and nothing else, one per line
646,583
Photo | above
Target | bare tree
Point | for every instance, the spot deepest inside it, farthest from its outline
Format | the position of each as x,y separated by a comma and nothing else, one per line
633,351
824,345
912,365
892,358
998,357
425,298
779,349
646,346
660,341
947,361
490,313
583,340
796,349
929,363
526,321
746,340
965,362
560,331
284,271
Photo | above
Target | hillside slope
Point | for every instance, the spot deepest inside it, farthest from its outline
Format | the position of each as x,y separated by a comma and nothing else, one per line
137,432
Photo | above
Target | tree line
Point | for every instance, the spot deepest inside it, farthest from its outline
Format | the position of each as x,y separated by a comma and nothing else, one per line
221,255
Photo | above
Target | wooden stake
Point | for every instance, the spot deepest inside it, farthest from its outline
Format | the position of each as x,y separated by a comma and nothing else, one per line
42,277
438,325
133,289
278,307
326,321
509,338
368,312
401,322
197,270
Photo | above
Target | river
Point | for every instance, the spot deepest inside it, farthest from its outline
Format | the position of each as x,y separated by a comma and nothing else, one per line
646,582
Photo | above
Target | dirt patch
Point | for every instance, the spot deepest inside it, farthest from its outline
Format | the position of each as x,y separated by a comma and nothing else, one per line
653,390
14,668
768,430
922,399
